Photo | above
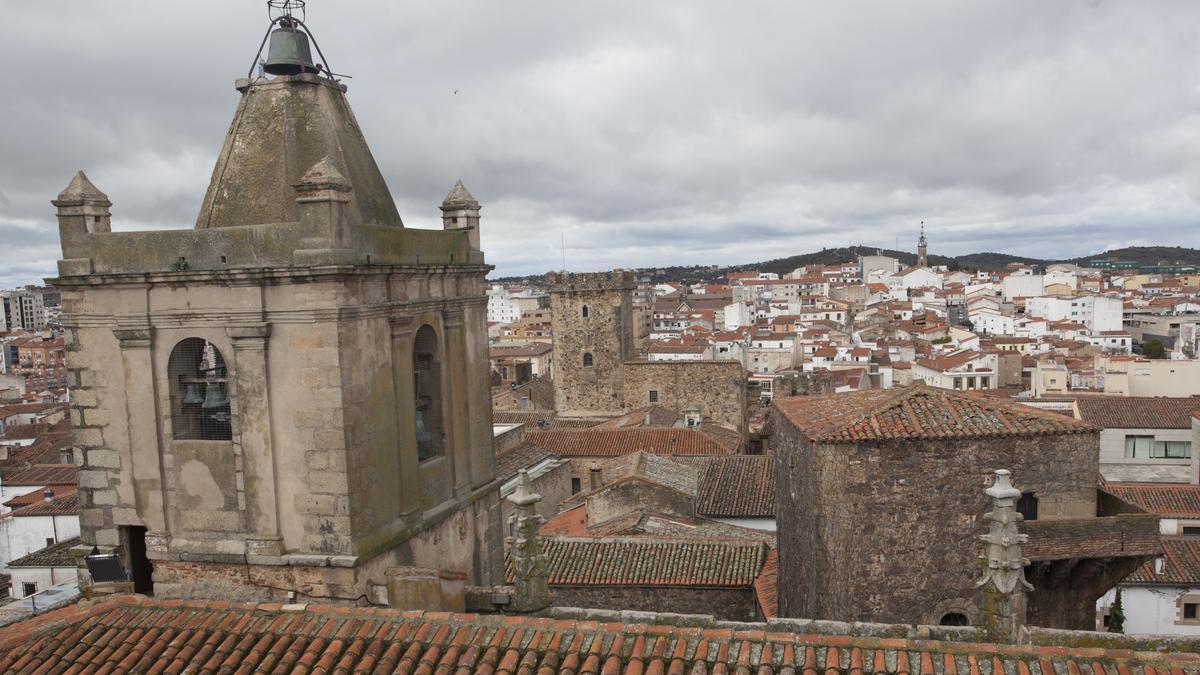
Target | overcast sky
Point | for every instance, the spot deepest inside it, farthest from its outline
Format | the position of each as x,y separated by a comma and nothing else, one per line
647,133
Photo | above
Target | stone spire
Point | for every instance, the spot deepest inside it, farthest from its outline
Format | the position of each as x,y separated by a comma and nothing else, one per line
460,211
525,548
1003,583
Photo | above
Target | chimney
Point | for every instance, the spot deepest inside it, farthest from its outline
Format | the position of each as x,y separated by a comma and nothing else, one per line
48,494
595,479
1003,584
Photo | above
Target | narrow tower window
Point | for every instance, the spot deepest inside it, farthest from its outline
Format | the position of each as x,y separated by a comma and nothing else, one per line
199,392
427,386
587,360
584,311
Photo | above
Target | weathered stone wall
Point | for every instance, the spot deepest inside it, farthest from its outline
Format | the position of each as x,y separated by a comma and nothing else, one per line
606,333
320,380
908,513
718,387
554,486
629,496
730,604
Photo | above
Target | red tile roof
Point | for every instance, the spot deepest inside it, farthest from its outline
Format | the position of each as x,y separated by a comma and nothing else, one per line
130,633
617,442
59,506
766,586
645,561
1138,412
44,474
739,486
1180,566
917,411
1164,499
1126,535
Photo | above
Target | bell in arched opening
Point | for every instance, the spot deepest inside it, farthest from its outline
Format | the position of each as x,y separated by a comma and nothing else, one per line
215,396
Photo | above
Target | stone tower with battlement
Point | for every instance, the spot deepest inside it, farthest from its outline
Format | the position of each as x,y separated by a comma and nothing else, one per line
592,323
292,397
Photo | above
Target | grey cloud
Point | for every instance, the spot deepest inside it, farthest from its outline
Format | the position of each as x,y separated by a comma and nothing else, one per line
651,133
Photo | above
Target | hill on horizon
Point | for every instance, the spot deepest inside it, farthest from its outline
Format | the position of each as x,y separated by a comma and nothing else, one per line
986,260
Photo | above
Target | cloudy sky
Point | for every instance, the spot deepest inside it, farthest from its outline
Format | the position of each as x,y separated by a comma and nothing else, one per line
647,133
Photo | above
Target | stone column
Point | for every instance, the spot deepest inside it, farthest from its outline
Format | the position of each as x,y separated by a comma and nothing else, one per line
479,398
1003,583
252,379
145,454
455,392
532,591
406,418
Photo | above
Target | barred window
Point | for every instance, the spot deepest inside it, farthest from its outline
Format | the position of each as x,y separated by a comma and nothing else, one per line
587,360
199,392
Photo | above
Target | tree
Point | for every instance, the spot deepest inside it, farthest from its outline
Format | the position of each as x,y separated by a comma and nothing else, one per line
1154,349
1116,615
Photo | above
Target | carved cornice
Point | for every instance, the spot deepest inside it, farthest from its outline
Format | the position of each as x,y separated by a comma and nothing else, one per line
134,338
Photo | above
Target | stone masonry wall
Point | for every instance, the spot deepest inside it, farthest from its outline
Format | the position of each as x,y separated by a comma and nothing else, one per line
718,387
606,333
908,512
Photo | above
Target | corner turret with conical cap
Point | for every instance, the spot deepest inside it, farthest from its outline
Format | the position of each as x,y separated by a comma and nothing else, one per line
460,211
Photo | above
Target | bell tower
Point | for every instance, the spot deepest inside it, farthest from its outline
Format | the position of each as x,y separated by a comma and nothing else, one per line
291,398
922,248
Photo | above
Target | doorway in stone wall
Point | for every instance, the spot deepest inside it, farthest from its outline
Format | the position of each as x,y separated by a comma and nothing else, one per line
141,571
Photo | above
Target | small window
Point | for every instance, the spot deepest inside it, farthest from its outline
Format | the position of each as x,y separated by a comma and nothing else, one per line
1191,530
1189,610
1027,506
654,396
29,588
954,619
587,360
576,486
583,311
49,542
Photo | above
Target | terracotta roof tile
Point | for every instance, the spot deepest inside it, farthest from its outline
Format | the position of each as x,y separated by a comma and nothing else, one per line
44,474
917,411
617,442
66,505
738,486
1138,412
1180,566
1164,499
652,561
766,586
1126,535
138,634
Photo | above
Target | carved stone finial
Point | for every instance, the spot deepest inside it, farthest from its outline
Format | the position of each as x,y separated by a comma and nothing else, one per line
525,549
1003,582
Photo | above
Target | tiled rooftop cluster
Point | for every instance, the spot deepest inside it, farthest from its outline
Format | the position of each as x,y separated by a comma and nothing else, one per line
653,562
918,412
129,634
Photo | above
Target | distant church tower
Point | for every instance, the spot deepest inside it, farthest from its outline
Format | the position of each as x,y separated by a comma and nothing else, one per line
922,248
293,396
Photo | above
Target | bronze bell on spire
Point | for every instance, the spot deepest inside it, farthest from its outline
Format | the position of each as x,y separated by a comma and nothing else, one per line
289,53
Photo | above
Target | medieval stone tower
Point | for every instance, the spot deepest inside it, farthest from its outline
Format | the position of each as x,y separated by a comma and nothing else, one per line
922,248
592,323
291,397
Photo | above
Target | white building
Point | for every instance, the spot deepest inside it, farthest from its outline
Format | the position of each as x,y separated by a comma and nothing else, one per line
35,526
962,370
991,322
1021,286
42,569
501,308
1142,439
1163,596
737,314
